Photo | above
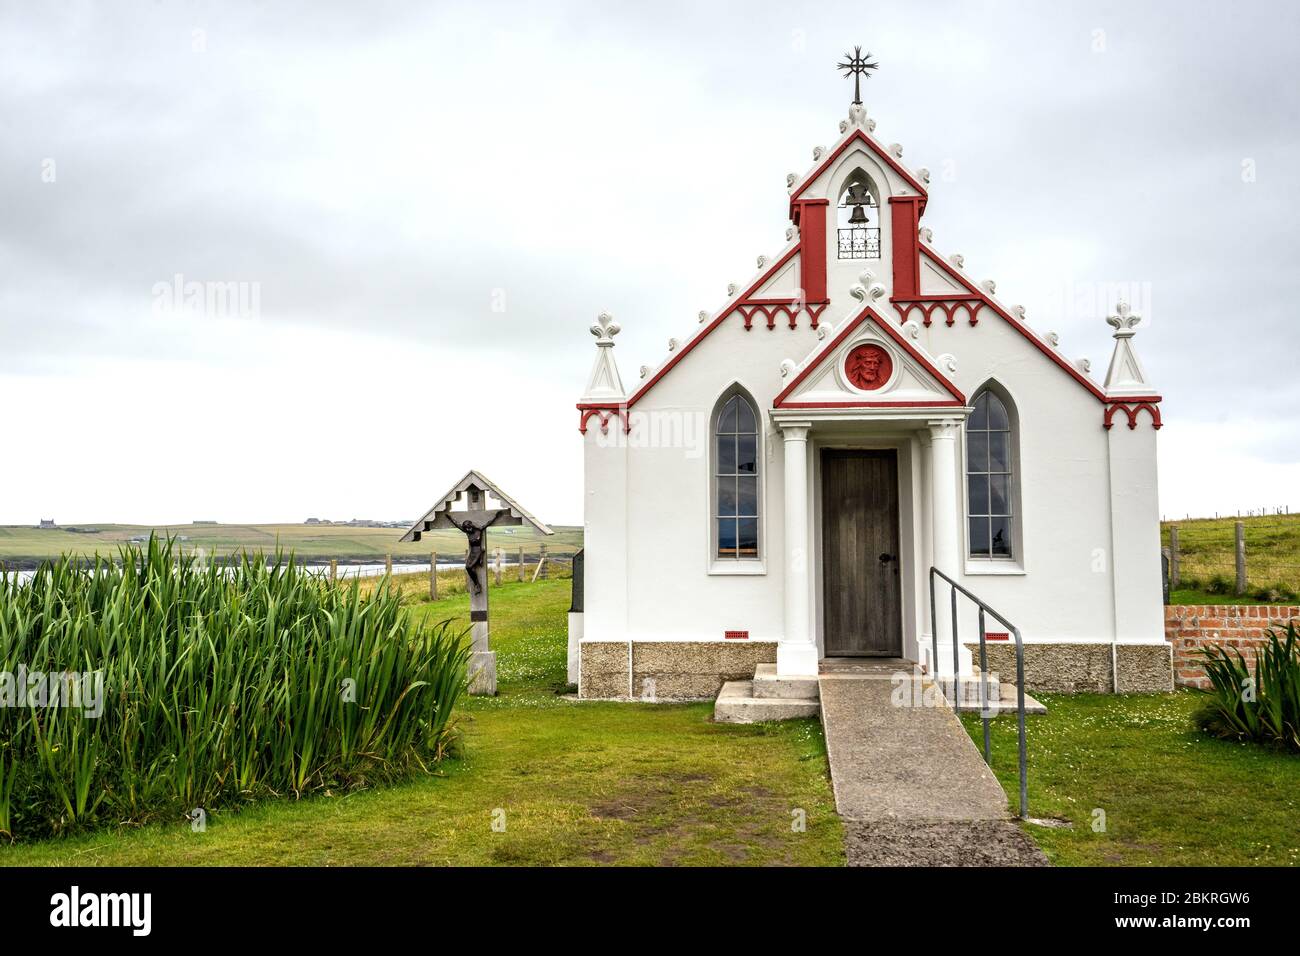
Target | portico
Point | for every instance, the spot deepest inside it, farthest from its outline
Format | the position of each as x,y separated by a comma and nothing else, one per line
833,585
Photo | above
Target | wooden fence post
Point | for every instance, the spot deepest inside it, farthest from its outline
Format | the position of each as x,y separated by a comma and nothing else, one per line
334,570
1241,557
541,563
433,575
1175,577
388,565
521,565
500,560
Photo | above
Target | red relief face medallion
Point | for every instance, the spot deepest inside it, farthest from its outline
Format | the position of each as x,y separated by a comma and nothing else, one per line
868,367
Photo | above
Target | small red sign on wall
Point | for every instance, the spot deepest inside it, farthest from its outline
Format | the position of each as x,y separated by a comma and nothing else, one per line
997,636
736,635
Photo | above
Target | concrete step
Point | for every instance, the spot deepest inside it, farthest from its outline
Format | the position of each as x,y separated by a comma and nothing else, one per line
736,704
1002,696
767,686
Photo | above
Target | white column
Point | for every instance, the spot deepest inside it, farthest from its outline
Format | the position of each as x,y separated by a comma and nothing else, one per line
796,654
945,516
943,494
925,507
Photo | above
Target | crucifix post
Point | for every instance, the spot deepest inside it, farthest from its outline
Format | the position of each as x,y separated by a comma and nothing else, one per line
483,660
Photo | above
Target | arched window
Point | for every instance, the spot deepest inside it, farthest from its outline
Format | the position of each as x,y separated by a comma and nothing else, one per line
858,219
990,478
735,479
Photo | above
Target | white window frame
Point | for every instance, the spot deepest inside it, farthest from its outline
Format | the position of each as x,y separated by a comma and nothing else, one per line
716,564
1014,563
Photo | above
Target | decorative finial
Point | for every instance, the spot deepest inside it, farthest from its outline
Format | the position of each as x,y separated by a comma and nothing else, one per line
604,384
867,287
856,65
1124,321
1125,376
605,329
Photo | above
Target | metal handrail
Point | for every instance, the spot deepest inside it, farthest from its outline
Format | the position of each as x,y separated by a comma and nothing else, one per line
984,667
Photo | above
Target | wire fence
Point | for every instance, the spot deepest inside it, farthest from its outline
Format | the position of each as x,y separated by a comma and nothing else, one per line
1256,557
425,581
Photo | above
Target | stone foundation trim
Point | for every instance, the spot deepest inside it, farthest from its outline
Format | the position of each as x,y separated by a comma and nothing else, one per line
1078,667
667,670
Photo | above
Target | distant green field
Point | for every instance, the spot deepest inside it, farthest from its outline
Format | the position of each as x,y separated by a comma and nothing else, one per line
1208,555
21,546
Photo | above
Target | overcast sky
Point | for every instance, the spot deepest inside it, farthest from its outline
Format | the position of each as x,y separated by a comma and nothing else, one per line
425,205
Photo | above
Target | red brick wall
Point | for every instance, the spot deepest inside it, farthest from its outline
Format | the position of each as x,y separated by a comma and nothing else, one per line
1191,627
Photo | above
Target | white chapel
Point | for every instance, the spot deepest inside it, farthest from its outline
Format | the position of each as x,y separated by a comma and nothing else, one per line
778,487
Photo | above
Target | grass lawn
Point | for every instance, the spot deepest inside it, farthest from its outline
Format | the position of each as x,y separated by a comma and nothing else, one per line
1192,596
1171,796
574,783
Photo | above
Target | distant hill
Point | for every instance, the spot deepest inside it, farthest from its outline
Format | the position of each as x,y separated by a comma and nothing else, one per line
23,546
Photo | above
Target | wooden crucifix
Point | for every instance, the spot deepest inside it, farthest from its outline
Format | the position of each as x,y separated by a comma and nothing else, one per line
473,505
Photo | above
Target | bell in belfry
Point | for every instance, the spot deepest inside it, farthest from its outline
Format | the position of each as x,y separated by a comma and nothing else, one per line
858,197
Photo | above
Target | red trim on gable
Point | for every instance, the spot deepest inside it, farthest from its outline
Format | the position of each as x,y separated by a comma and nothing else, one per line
946,403
809,217
849,328
947,304
905,217
1015,323
604,411
718,320
882,154
1131,408
791,307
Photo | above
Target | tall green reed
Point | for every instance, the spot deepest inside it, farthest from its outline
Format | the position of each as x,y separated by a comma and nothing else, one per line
222,683
1264,706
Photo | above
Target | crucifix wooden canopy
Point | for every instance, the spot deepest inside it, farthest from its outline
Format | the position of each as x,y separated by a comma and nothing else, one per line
472,499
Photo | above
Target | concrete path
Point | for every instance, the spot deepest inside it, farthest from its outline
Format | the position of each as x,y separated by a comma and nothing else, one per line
909,783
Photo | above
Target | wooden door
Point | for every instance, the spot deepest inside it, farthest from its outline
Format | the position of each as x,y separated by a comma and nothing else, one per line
862,600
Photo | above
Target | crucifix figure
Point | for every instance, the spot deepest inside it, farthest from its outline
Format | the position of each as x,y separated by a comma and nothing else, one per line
475,552
857,64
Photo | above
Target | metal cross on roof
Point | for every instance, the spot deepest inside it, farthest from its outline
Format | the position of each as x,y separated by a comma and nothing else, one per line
857,64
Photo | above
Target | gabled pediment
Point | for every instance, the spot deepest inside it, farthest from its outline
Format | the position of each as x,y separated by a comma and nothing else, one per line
479,498
867,363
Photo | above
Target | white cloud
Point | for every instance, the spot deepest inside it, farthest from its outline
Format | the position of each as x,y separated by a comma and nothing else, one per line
383,171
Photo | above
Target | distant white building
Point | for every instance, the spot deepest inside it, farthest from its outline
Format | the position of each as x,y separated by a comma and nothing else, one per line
778,486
